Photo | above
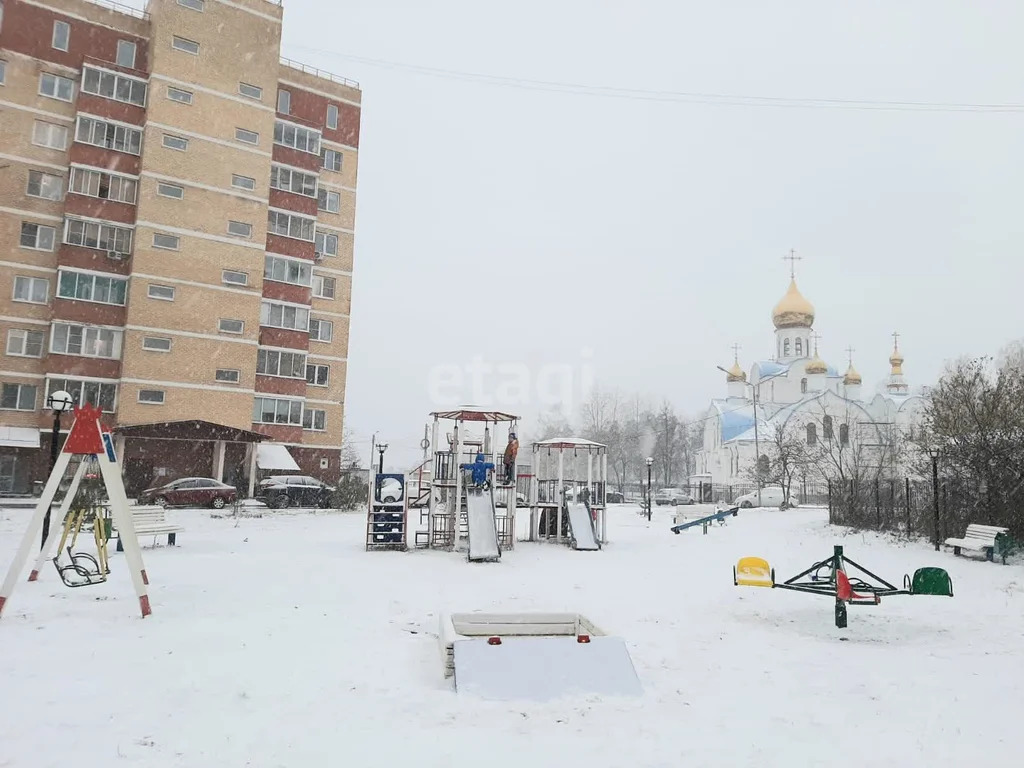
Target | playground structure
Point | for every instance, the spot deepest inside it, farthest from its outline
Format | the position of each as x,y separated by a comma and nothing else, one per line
536,656
829,577
706,520
93,445
388,512
458,509
567,492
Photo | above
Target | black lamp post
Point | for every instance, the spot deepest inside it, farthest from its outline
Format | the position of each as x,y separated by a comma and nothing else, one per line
650,463
933,452
58,402
380,465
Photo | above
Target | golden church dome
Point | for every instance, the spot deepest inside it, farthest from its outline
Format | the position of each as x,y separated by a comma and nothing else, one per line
896,362
852,377
793,311
735,373
816,365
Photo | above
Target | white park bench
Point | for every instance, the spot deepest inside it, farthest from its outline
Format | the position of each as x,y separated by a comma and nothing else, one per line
980,538
152,521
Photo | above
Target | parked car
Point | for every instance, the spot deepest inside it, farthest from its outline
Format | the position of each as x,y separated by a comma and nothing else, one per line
771,496
613,497
672,496
501,498
280,491
390,490
191,492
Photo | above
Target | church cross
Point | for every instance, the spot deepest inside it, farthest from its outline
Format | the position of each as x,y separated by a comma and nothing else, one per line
792,259
895,340
736,352
815,336
849,354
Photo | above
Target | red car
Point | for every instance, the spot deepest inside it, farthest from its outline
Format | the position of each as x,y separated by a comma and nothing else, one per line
191,492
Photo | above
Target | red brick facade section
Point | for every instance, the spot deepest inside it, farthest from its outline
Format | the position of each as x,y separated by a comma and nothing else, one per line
289,201
96,208
88,258
294,294
28,29
70,365
88,312
289,246
308,460
98,157
281,337
296,158
311,109
277,385
115,110
279,433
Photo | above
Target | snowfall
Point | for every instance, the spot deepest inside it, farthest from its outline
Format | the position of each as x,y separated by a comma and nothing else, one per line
279,641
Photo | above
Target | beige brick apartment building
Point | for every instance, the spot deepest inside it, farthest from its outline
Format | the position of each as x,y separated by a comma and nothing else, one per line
177,206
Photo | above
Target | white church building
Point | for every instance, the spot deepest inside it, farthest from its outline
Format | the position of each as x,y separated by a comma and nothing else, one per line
798,392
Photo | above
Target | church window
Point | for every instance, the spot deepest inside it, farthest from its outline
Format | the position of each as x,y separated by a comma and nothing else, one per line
826,427
812,434
803,386
799,347
785,348
844,434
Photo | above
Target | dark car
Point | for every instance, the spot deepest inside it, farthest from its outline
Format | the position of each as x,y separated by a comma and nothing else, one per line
614,497
280,491
191,492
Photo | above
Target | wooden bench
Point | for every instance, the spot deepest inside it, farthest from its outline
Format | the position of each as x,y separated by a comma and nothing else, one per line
981,538
152,521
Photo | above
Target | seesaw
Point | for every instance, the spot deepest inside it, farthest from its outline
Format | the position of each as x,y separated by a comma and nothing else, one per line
706,521
829,577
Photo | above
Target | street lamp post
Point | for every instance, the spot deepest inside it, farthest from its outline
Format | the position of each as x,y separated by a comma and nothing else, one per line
380,465
58,402
650,463
933,452
754,388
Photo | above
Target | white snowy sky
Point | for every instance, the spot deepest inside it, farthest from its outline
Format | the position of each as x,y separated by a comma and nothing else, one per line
533,224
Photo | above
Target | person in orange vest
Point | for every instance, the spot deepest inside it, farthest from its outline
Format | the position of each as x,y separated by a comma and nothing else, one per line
510,458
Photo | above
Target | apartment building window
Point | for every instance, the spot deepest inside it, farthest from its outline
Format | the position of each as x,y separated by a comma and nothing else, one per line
195,5
230,326
297,137
18,397
85,341
328,201
234,277
249,137
50,135
106,186
326,244
100,133
56,87
3,72
165,241
284,101
291,225
160,292
152,396
243,182
324,287
330,159
227,376
320,330
332,116
318,375
251,91
156,343
31,290
37,236
98,235
290,180
314,420
239,229
290,365
185,45
170,190
179,95
175,142
286,316
84,286
22,343
126,53
61,35
111,85
273,410
45,185
96,393
282,270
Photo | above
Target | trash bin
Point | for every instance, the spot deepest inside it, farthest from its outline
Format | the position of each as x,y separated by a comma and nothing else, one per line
37,487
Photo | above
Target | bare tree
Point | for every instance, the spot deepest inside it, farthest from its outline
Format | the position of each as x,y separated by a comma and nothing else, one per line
786,457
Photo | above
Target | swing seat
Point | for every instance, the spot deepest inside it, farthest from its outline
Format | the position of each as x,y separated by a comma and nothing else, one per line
82,571
929,581
753,572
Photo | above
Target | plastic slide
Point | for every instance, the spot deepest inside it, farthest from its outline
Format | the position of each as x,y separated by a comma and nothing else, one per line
483,530
582,526
544,668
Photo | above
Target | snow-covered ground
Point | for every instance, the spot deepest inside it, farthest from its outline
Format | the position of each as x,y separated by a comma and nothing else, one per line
277,641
